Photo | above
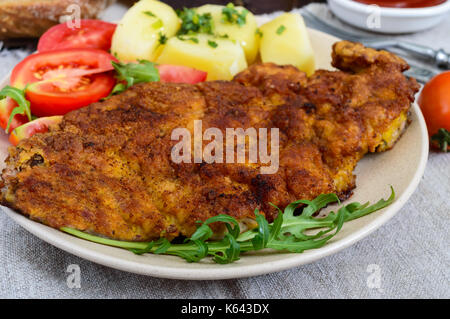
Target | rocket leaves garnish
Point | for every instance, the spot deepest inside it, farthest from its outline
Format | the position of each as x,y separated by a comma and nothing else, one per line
442,139
133,73
286,233
262,237
23,105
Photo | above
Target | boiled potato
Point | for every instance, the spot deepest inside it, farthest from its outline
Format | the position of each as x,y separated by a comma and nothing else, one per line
221,58
285,41
245,34
137,34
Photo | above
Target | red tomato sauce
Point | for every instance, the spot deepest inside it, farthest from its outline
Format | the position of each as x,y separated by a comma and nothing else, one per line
403,3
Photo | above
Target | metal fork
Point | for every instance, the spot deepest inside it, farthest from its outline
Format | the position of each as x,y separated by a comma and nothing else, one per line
438,57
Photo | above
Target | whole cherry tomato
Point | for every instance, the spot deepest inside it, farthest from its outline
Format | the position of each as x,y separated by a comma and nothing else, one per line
434,102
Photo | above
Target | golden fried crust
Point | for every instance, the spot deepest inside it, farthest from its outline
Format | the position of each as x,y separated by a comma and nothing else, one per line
107,168
350,56
277,82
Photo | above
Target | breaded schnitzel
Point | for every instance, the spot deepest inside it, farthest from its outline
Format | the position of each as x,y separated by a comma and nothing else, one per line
107,168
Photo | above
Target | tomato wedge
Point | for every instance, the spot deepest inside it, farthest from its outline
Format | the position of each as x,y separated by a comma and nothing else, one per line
92,34
64,80
40,125
180,74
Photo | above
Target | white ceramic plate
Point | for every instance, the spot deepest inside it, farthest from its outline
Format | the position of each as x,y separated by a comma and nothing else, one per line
389,20
402,167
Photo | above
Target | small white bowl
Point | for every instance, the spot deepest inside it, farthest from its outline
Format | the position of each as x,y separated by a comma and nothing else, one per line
389,20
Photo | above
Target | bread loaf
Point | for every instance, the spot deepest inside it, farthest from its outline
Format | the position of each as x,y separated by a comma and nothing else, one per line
31,18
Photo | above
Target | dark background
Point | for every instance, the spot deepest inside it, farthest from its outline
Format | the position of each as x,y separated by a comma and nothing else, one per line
255,6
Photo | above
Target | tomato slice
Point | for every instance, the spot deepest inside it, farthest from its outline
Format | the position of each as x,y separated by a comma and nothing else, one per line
64,80
40,125
33,67
6,106
180,74
92,34
46,99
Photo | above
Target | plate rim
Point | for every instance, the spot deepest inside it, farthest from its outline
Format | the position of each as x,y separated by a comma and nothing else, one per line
53,236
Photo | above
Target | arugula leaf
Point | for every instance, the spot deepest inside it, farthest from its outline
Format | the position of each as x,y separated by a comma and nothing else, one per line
356,210
17,95
276,225
118,88
234,231
194,255
262,237
287,232
204,232
231,253
147,249
296,225
134,73
163,246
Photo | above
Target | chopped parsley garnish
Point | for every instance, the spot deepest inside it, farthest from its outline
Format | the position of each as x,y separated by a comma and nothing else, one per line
149,13
231,15
281,29
212,44
157,24
162,38
259,32
192,22
193,39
